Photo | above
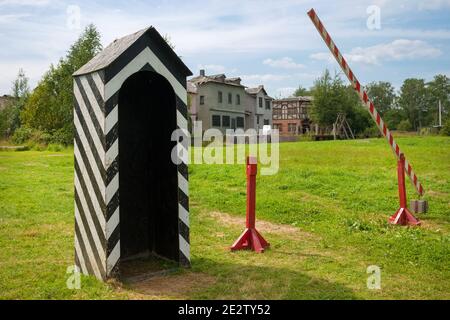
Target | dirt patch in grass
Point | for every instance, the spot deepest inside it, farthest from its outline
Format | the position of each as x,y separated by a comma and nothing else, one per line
263,226
437,193
176,286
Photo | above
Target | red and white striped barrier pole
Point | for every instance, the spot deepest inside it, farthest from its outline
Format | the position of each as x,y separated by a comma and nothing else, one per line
365,99
250,238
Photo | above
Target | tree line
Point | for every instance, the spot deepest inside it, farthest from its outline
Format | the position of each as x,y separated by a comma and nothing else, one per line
413,107
45,114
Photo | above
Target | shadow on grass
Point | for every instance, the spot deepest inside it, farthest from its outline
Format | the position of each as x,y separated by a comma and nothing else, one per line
242,281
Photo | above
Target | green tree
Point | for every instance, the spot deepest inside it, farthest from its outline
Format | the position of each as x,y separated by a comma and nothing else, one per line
331,97
302,92
413,101
382,95
439,90
50,107
393,117
10,115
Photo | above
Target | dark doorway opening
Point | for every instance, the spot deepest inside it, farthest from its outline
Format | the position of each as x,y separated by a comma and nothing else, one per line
148,184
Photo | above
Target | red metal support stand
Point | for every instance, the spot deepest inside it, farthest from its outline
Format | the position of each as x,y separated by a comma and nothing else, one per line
250,238
403,216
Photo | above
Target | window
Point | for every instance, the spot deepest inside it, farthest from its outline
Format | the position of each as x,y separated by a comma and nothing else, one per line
276,114
292,127
267,104
230,98
240,122
216,121
219,96
277,126
238,99
284,111
226,121
266,122
257,120
260,102
202,100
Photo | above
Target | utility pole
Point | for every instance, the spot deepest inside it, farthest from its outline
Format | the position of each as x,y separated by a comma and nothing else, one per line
440,114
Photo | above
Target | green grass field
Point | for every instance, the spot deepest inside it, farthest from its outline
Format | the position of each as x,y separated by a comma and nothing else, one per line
325,214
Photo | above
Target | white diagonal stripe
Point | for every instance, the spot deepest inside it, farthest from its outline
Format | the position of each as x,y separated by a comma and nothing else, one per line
112,154
89,124
111,119
183,214
89,251
89,154
99,83
90,189
91,226
111,189
183,184
181,121
146,56
80,257
112,223
184,247
113,257
93,102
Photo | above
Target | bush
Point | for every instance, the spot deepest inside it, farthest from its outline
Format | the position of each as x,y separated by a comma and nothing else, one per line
404,125
22,135
63,136
371,132
446,128
55,147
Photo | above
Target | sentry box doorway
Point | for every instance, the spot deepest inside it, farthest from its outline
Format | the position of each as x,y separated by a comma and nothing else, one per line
131,198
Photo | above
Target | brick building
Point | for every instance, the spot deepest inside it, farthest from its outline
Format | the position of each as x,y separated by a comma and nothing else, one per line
291,116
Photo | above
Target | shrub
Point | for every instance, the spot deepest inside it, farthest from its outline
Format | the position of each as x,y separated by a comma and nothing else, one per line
446,128
22,135
63,136
370,132
404,125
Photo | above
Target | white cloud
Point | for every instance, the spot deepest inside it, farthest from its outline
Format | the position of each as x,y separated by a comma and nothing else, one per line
33,3
433,4
284,63
397,50
322,56
262,78
10,18
215,68
284,92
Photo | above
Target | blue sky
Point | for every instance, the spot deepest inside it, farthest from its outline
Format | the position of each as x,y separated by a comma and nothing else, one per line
264,42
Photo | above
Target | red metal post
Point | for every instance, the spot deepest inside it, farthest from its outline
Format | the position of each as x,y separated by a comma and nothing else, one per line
250,238
403,216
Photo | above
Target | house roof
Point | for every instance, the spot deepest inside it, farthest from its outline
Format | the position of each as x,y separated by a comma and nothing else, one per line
114,50
305,98
255,91
217,78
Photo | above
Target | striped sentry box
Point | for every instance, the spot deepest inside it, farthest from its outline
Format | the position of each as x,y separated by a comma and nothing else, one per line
365,99
96,117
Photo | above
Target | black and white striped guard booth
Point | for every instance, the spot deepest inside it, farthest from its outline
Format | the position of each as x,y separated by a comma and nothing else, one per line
131,199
